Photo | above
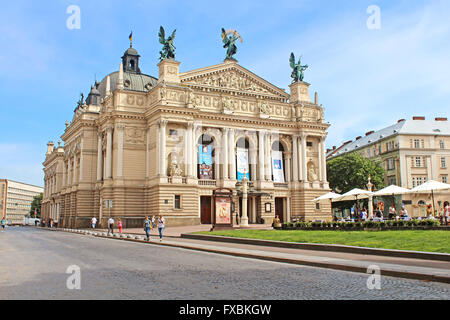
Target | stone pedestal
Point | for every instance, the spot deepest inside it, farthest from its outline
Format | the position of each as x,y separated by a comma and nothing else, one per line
299,92
169,71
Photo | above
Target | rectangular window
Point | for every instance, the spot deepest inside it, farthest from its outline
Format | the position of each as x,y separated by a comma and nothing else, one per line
177,203
418,162
309,144
443,163
444,179
441,144
379,148
391,164
417,143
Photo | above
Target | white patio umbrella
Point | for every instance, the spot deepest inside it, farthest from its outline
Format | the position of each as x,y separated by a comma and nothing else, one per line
392,190
327,198
430,186
355,194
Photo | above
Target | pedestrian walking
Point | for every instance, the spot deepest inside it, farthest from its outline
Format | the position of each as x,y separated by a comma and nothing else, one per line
147,228
111,225
153,222
3,224
120,225
161,226
93,222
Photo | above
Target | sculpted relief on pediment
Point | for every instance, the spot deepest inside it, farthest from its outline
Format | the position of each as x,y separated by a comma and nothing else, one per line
231,80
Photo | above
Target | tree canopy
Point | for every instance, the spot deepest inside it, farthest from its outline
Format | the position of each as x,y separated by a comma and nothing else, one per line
352,171
36,205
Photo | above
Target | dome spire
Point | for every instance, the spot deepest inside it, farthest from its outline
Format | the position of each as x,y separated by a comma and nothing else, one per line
131,39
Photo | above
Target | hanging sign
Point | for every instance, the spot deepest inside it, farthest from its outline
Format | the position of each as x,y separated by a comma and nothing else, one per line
205,162
242,164
277,166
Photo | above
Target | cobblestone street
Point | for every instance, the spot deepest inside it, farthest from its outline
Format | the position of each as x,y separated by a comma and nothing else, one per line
34,263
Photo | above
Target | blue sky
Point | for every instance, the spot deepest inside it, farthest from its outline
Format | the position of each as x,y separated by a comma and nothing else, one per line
366,79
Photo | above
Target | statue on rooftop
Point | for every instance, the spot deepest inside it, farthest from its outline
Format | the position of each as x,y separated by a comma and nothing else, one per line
168,50
297,68
229,39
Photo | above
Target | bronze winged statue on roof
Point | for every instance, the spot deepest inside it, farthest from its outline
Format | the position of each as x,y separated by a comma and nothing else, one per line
168,50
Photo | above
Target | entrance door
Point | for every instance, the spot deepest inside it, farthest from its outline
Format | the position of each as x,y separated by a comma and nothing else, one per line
279,208
205,209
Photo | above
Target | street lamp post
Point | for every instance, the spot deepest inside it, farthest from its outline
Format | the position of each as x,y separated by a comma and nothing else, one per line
369,187
244,219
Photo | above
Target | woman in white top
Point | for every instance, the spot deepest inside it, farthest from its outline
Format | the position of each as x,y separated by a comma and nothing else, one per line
161,226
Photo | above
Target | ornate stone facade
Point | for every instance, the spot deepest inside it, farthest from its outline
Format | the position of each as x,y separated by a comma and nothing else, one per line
140,148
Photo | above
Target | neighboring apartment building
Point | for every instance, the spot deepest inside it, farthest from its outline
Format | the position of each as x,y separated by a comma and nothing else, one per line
412,152
15,200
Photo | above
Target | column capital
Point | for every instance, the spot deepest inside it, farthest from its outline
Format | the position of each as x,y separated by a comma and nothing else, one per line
120,126
163,122
109,128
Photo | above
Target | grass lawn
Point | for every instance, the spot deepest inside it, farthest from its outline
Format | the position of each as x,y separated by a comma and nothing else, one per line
416,240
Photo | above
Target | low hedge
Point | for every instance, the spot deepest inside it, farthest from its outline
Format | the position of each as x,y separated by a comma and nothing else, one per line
429,223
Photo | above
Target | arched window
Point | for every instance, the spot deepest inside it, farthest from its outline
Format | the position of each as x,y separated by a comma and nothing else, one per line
278,163
242,157
206,154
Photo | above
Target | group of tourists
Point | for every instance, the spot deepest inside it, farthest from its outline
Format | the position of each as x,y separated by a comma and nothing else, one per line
149,224
50,223
356,214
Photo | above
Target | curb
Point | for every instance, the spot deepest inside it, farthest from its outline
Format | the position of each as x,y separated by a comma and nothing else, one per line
328,265
325,247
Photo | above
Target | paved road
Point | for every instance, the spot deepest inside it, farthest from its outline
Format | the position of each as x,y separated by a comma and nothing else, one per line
33,264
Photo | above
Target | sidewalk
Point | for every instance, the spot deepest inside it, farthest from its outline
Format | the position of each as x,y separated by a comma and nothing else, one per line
176,232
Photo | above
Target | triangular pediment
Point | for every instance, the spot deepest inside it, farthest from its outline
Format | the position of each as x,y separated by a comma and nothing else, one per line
230,76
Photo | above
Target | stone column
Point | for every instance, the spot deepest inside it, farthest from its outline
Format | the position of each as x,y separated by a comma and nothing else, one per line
108,164
304,174
429,167
319,151
288,209
288,169
147,154
63,175
69,171
120,129
253,163
268,158
261,155
225,153
75,169
217,163
80,168
324,161
190,149
295,161
232,154
162,142
194,156
99,157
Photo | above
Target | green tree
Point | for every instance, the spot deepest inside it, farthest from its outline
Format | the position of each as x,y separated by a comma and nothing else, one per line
36,205
352,171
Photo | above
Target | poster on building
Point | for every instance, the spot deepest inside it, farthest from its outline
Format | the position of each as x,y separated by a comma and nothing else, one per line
205,162
223,210
242,164
277,167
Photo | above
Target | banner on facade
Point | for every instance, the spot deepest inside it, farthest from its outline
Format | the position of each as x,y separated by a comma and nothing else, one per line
277,166
223,210
205,162
242,164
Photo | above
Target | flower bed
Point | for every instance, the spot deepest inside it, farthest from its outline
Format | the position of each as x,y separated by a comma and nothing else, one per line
366,225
